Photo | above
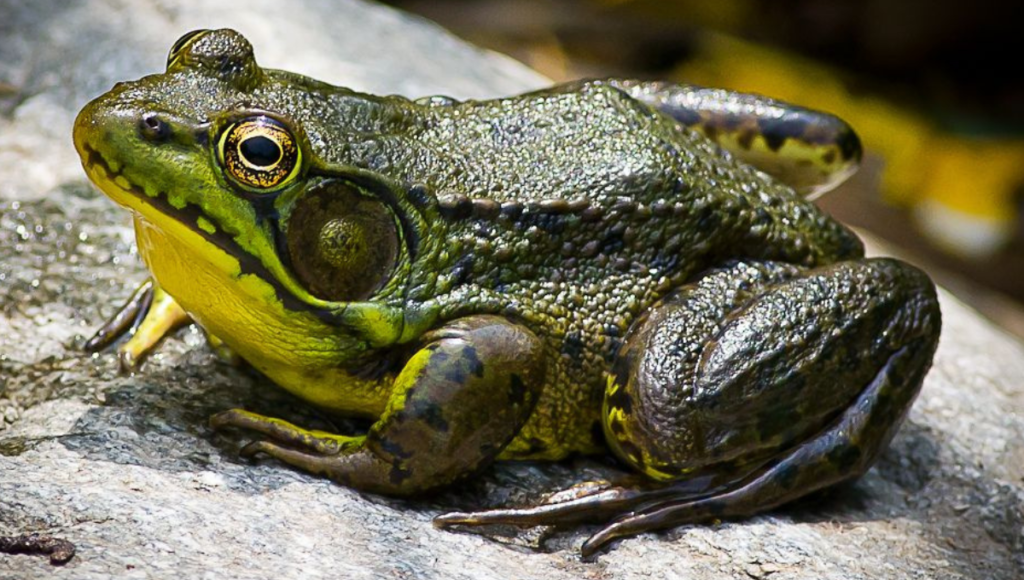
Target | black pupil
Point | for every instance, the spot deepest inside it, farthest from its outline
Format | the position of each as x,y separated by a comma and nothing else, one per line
260,151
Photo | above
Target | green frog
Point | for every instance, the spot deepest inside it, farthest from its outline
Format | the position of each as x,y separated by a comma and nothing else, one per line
603,266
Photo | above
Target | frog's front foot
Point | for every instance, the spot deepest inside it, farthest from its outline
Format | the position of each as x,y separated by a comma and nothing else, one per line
148,316
455,405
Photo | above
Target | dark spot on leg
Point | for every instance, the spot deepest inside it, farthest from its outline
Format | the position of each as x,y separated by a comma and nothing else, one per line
620,399
617,428
597,433
829,156
849,145
516,390
687,117
746,138
473,362
454,373
392,448
844,457
787,476
398,474
776,131
430,413
622,367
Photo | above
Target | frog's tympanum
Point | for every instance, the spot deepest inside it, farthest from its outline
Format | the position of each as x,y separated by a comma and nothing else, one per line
600,266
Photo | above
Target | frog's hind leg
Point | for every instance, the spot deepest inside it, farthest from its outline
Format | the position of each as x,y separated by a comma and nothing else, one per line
811,151
751,387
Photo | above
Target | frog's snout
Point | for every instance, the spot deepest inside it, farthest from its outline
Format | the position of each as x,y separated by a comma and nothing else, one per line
120,129
88,129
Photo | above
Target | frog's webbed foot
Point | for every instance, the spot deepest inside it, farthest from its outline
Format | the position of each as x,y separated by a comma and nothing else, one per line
148,315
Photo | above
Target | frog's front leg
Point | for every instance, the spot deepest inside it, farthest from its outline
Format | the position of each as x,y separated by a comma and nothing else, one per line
756,385
454,406
148,315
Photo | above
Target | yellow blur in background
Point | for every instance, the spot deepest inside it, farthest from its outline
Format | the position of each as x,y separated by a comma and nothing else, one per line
960,189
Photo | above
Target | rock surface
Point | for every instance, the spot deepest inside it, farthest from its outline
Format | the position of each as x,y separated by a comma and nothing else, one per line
127,469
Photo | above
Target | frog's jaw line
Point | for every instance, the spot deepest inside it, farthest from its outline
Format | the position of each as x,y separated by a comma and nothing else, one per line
130,196
190,226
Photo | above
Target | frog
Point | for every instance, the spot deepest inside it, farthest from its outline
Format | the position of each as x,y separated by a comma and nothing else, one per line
617,268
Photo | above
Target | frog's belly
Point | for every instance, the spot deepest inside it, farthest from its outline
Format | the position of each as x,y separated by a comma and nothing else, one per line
294,349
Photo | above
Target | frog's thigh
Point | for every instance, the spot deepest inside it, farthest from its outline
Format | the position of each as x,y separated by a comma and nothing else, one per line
798,389
454,406
654,395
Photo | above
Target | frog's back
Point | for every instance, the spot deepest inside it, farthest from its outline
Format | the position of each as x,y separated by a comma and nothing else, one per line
584,178
574,210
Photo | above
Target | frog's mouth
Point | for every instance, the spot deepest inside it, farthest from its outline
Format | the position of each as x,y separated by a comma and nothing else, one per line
156,209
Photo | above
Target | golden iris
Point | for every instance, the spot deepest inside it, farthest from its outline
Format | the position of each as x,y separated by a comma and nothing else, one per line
259,153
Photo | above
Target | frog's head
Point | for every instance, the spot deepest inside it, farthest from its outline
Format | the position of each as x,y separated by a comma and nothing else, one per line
226,159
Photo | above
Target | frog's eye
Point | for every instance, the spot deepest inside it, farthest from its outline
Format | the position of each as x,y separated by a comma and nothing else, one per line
259,153
181,43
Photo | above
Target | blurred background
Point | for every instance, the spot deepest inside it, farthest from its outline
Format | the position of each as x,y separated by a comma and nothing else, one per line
934,88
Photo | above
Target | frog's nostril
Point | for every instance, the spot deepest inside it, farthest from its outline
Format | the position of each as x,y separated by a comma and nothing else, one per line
154,129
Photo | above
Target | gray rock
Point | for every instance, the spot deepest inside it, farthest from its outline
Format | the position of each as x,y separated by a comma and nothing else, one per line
127,469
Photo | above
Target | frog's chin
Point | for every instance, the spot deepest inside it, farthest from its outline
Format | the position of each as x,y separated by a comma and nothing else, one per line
296,349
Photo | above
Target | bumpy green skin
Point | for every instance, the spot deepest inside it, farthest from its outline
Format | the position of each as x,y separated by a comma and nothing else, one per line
557,220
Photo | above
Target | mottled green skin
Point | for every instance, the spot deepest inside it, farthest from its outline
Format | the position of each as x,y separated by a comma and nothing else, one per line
662,204
535,231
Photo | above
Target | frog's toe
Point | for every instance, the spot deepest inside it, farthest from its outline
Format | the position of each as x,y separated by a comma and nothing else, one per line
597,505
224,352
578,491
125,320
311,462
279,430
162,317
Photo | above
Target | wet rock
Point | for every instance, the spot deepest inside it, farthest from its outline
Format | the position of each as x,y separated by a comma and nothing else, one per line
127,469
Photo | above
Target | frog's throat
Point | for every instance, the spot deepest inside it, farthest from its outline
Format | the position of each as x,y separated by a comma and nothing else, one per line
207,238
